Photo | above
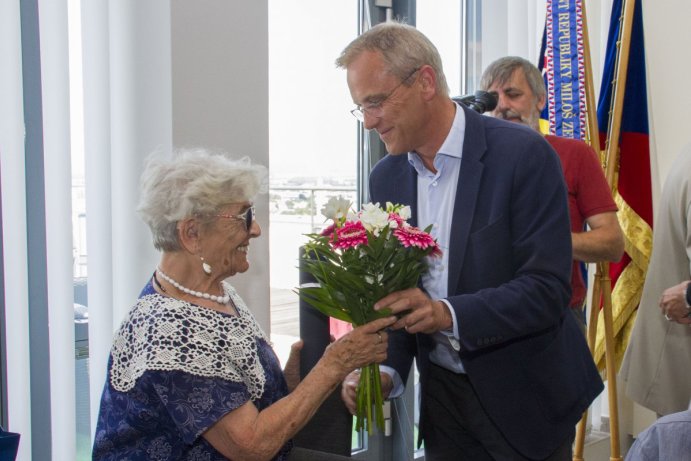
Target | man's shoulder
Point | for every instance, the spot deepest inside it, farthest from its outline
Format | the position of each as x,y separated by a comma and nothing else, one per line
495,136
513,142
574,152
568,145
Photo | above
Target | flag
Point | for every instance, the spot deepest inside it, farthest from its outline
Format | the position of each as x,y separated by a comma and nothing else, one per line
562,63
633,187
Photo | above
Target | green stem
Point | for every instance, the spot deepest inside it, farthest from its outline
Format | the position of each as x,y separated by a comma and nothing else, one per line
378,398
369,400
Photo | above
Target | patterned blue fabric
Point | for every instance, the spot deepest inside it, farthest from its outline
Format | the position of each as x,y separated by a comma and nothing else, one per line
165,413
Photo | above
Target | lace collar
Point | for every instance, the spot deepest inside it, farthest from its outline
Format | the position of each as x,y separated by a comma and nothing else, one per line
163,333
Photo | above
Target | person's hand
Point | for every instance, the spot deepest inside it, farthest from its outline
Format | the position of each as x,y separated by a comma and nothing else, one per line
291,372
673,304
349,386
418,313
362,346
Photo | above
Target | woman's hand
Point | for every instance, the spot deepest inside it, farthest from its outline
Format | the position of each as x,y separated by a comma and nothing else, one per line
291,372
247,433
363,345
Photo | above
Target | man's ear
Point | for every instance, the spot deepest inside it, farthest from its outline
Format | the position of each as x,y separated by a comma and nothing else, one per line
428,80
188,234
540,102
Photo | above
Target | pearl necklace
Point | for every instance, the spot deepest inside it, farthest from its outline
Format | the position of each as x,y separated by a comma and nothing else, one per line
197,294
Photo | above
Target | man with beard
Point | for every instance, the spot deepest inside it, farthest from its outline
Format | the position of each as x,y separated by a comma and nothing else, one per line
521,97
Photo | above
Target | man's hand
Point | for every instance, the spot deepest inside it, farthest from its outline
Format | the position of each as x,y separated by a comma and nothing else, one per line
416,311
673,304
349,387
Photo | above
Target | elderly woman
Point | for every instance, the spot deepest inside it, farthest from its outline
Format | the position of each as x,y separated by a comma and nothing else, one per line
191,374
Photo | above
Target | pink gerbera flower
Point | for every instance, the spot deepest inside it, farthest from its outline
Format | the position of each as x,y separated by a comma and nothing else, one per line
351,235
328,232
412,236
395,217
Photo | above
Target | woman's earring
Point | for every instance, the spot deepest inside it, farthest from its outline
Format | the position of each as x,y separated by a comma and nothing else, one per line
205,266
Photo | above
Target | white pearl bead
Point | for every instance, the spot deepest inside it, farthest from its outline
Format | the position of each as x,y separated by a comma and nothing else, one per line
197,294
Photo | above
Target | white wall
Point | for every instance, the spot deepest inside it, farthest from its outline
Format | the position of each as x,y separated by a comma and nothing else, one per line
220,72
667,41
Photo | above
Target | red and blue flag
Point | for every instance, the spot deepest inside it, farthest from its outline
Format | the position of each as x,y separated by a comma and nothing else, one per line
632,191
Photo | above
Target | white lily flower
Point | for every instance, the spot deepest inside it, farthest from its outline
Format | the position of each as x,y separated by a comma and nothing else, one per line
405,212
373,218
336,208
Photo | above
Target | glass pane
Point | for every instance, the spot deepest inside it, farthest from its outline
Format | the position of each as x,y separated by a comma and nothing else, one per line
312,138
440,21
79,251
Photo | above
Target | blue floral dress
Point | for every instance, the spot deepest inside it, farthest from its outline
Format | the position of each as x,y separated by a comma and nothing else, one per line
174,370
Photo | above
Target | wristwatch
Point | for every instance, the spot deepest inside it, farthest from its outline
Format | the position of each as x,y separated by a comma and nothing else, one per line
688,299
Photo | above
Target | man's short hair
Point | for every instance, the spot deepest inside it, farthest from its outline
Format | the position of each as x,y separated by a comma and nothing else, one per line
501,70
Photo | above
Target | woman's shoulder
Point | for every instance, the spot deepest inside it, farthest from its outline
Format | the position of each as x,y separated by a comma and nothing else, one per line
151,336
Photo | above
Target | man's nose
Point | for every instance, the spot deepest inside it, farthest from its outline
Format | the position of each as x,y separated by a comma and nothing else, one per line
502,103
369,121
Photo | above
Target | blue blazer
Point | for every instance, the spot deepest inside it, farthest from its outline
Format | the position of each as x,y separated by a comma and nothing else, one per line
509,284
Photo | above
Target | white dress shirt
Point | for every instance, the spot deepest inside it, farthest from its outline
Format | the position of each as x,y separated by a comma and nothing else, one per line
436,194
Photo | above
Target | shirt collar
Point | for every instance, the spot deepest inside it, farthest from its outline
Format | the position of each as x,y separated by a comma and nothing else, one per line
452,145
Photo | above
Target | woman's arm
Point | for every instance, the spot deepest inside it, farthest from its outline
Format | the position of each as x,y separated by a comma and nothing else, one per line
248,434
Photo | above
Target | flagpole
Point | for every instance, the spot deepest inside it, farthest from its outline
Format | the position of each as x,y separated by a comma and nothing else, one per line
593,139
611,164
602,286
619,84
612,159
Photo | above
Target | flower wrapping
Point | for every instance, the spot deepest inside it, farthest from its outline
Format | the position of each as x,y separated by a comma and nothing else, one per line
357,260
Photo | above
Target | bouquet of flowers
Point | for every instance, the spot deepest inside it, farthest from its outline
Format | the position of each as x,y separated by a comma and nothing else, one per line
357,260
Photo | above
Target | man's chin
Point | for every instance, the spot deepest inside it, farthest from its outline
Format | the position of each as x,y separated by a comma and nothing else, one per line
393,149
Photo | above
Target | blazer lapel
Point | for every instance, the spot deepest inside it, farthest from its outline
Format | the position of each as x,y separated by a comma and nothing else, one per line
404,188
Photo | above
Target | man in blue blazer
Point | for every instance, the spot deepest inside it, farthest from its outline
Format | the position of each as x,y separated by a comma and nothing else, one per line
504,370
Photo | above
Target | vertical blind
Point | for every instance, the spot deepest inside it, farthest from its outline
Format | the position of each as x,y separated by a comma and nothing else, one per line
123,85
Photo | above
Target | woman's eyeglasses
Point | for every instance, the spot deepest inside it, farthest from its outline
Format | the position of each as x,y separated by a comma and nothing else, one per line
247,216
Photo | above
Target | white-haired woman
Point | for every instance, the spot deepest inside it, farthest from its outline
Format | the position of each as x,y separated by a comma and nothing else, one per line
191,375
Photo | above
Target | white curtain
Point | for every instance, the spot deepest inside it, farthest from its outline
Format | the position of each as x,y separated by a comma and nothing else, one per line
124,93
127,114
53,31
14,224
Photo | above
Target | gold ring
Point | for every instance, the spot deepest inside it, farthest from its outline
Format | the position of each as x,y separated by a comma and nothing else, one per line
380,340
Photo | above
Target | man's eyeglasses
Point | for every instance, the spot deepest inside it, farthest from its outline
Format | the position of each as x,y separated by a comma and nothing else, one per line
376,109
247,216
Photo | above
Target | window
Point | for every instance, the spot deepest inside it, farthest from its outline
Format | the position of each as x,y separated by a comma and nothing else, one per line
312,138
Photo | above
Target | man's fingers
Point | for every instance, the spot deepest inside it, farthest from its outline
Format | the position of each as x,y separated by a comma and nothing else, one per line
348,391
